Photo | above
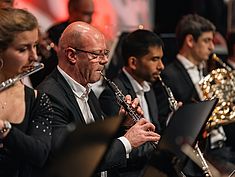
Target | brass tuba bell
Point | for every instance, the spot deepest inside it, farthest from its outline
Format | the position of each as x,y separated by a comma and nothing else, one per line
220,83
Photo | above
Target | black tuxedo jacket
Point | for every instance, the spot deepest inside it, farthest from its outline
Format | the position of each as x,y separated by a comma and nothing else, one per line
139,156
66,110
110,106
176,77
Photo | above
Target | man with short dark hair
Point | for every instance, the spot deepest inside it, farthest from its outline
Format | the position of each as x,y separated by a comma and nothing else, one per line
142,52
79,10
195,35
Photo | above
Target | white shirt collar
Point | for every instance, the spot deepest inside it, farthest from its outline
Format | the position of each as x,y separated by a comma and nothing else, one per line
136,86
79,90
188,64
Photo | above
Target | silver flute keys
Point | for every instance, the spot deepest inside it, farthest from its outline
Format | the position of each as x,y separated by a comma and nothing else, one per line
9,82
173,104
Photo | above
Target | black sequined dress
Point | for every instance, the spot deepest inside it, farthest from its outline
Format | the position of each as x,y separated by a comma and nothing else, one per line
27,145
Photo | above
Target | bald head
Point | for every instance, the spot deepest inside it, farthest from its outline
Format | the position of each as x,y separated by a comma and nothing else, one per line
80,35
81,52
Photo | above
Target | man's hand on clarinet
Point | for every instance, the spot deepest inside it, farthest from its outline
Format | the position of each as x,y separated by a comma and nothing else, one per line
142,132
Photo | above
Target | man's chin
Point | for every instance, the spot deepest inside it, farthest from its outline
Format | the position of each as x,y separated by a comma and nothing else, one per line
95,79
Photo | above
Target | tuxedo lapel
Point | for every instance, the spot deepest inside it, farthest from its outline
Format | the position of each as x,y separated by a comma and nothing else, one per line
181,69
149,96
153,109
125,86
67,91
184,74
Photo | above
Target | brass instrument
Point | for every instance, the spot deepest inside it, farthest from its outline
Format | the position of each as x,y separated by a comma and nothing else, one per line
214,57
171,99
220,83
10,82
197,152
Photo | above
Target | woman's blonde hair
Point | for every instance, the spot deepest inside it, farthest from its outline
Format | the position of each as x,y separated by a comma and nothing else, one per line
12,22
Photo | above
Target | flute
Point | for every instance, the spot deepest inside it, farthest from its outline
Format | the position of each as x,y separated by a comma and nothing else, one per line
10,82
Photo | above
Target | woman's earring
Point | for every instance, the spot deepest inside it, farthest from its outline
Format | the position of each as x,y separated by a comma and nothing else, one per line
1,63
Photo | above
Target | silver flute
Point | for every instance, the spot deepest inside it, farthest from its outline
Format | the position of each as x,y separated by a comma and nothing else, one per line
10,82
122,102
173,104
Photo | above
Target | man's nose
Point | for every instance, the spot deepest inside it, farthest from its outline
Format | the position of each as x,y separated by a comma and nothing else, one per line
212,46
160,65
103,59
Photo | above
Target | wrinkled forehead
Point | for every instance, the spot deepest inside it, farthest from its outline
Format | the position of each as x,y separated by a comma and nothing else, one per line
84,36
92,39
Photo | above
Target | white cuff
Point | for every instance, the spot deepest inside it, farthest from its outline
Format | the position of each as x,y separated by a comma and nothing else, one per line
126,144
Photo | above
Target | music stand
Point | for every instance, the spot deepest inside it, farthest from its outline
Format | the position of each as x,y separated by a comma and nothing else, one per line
185,126
84,148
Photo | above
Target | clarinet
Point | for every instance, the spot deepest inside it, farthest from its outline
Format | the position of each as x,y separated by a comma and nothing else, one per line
173,104
122,102
10,82
121,99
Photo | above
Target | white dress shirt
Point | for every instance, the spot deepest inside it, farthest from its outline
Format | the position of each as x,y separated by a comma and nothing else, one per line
140,90
81,95
195,72
217,134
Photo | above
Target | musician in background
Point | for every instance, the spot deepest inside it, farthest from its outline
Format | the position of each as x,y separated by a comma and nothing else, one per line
195,36
142,51
25,114
6,3
79,10
10,4
82,55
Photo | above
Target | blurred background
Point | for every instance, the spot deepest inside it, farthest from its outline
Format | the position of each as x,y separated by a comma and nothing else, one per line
111,16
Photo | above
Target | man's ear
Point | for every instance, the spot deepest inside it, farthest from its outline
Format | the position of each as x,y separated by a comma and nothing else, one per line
71,55
189,40
132,61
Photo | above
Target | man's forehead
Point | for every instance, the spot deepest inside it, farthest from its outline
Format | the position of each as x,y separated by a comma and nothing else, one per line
207,34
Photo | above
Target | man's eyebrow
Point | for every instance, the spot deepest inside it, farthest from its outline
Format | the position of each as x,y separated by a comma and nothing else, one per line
157,57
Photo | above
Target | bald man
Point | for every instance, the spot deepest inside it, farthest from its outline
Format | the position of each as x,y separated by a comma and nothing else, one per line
79,10
82,55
